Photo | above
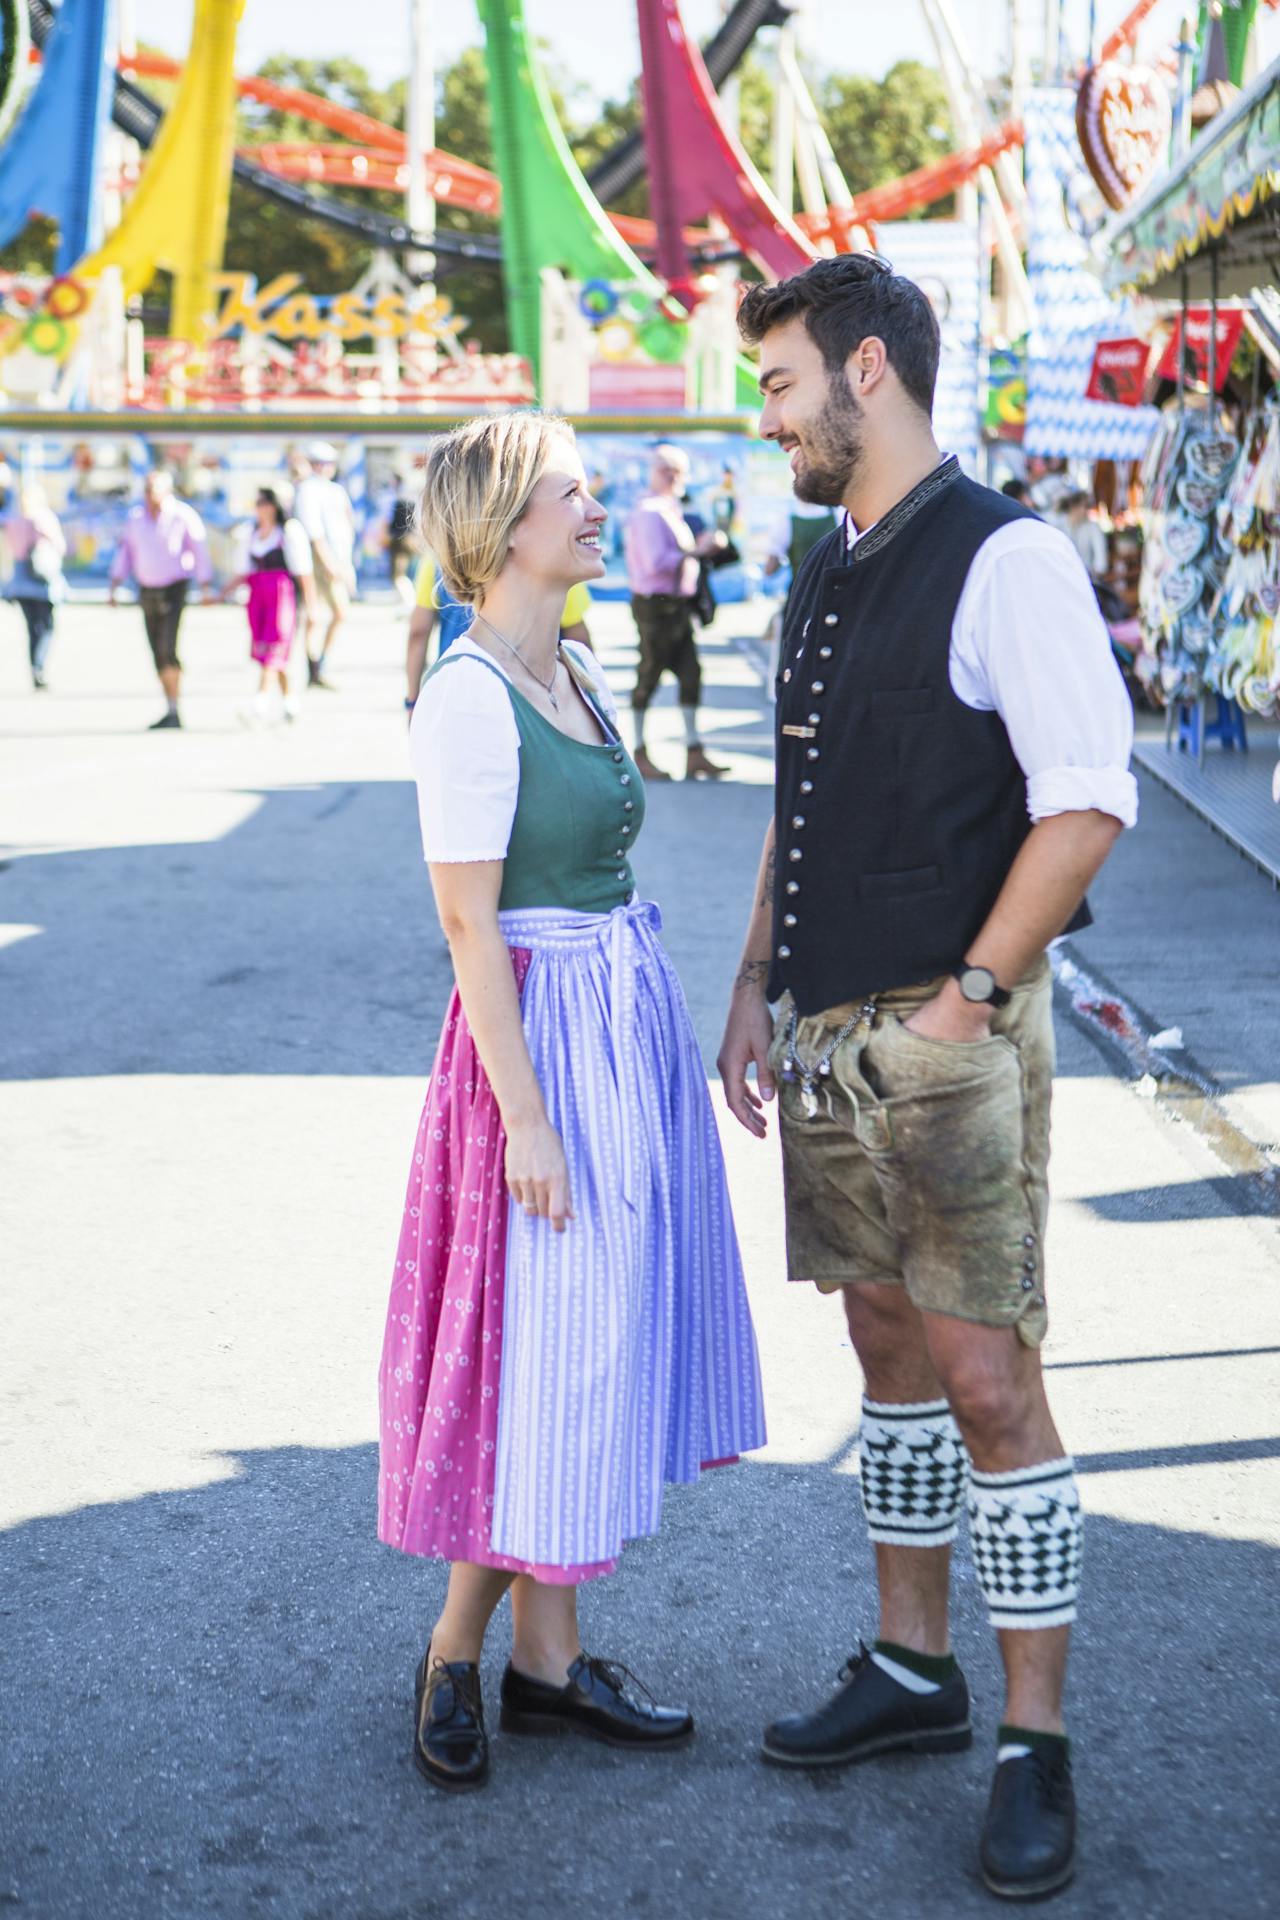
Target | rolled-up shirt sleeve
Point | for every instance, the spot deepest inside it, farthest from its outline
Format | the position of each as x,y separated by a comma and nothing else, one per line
464,748
1030,644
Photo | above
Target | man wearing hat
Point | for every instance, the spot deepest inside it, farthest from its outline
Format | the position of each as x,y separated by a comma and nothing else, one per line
323,506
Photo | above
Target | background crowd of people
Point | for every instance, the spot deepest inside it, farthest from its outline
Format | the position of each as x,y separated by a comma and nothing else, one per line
294,564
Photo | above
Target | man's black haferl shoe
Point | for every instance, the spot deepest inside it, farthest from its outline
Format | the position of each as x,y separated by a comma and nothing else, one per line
1029,1838
872,1713
600,1699
450,1745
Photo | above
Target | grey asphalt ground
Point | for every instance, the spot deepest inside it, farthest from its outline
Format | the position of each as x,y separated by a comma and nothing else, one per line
221,978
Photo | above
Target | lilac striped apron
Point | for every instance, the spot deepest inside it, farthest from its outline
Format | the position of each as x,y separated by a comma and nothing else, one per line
628,1355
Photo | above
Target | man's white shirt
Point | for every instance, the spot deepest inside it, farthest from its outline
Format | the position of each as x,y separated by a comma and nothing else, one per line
1028,643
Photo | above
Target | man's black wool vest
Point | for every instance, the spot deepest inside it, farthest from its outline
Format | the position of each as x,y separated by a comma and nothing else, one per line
899,809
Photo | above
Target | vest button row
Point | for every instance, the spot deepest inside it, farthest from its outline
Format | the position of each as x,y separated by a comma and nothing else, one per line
795,854
786,676
811,753
628,806
815,719
784,953
824,653
819,686
788,920
797,819
622,873
806,786
617,759
624,779
626,829
830,619
793,886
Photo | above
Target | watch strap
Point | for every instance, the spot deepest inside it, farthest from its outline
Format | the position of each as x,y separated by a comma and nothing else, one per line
998,997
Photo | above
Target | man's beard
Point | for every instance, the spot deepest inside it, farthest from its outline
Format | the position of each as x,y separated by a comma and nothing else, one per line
832,453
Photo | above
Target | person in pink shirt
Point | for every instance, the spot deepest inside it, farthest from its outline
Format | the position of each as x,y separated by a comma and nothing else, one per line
662,572
163,549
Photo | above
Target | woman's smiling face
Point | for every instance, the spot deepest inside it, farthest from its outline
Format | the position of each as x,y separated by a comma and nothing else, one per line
557,538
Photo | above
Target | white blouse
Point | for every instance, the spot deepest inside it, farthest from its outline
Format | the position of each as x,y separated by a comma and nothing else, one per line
1029,643
464,748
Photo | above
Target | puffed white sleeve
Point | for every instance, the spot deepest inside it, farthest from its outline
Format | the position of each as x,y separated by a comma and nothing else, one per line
464,747
1030,643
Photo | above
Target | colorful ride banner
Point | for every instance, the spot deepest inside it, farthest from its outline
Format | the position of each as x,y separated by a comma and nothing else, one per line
1231,172
285,310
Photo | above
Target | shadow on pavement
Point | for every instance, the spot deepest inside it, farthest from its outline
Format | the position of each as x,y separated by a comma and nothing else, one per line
305,940
207,1711
1181,1200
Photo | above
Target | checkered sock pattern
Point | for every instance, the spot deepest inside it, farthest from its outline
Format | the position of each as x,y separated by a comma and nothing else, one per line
1027,1534
914,1472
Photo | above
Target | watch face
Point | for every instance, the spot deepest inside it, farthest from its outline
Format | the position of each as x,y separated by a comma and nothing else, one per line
977,984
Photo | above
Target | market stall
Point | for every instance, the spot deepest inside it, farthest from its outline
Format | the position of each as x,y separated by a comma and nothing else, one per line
1208,231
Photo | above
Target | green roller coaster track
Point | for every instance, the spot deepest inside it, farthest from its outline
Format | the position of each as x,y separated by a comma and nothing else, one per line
550,217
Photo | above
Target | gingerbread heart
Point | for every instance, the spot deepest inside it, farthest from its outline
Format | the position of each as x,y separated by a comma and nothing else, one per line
1199,497
1180,589
1183,538
1196,636
1269,597
1211,456
1123,119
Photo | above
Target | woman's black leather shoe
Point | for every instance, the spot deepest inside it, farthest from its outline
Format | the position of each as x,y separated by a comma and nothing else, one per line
450,1745
872,1713
1029,1839
598,1700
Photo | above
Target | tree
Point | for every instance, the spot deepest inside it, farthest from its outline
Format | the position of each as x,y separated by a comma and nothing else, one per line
881,129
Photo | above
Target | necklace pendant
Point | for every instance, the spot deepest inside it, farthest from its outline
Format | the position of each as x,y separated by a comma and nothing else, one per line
552,698
808,1100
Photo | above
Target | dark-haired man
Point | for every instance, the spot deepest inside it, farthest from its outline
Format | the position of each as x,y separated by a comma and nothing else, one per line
952,750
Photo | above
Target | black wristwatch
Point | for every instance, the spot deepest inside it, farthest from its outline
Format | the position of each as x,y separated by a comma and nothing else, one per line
978,985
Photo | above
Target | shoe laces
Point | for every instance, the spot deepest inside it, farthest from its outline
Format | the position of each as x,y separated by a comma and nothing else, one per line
624,1681
855,1663
1053,1779
466,1687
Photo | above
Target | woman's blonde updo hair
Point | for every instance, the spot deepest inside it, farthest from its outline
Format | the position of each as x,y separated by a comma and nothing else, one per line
478,482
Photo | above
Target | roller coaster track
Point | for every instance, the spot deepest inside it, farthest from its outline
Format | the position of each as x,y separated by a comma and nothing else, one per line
137,114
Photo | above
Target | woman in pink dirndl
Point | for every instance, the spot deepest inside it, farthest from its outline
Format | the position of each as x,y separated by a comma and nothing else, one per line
277,572
568,1328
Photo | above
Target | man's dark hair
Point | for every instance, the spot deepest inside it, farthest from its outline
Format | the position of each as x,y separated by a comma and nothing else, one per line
844,301
1017,490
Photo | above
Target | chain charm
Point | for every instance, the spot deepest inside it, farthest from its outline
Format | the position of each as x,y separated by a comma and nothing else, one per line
810,1072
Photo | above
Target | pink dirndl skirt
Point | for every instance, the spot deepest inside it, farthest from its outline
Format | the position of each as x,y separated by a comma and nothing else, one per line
273,617
442,1351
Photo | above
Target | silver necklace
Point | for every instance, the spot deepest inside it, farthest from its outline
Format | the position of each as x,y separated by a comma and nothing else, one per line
548,686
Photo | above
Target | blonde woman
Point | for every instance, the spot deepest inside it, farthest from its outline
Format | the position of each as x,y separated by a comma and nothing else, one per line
568,1328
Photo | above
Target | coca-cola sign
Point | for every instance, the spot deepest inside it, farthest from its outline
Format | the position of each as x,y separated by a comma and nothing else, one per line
1119,372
